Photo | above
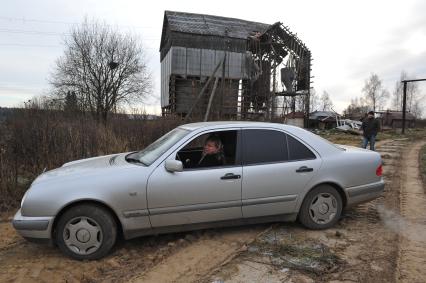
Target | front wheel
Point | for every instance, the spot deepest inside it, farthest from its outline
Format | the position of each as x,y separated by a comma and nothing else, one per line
86,232
321,208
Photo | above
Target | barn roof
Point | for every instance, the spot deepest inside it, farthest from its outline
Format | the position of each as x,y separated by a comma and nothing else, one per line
212,25
322,114
397,115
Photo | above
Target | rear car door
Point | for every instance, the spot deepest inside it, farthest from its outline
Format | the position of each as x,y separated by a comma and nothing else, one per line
276,169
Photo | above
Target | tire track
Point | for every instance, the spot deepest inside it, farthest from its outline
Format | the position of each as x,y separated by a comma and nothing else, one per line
412,240
193,262
189,257
181,257
367,250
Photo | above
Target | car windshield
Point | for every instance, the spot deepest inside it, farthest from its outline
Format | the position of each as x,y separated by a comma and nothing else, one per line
148,155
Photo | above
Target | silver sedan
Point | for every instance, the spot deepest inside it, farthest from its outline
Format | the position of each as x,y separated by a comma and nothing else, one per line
198,176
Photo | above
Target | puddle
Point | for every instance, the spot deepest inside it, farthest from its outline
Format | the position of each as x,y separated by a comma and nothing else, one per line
286,253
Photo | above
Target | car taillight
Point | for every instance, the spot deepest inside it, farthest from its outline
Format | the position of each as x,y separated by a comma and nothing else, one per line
379,170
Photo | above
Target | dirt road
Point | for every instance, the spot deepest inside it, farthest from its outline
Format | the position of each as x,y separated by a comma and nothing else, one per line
168,258
369,244
372,243
412,248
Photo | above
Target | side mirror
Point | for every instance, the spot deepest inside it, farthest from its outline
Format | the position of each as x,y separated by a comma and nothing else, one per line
173,165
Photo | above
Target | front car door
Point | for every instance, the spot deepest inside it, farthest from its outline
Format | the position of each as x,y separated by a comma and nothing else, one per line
276,168
197,195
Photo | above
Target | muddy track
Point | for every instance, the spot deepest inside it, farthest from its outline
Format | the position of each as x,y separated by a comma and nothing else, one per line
193,262
365,246
183,257
412,244
362,247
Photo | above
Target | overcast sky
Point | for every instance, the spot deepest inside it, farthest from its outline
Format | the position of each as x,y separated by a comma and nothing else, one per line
348,39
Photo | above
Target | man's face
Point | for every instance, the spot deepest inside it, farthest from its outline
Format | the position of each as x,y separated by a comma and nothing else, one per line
210,148
370,116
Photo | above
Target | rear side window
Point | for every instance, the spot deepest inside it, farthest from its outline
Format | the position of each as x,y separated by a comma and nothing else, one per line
264,146
297,150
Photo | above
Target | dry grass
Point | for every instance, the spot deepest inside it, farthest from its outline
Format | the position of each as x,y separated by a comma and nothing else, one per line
285,251
32,140
339,137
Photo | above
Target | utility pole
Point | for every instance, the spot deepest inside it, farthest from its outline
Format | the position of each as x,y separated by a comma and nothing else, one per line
404,101
404,106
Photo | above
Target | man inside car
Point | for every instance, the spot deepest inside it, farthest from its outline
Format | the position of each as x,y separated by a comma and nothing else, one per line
212,153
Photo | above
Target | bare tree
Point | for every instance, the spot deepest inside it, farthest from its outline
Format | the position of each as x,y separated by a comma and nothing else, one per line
396,102
414,98
357,108
300,102
418,108
314,103
103,67
326,104
70,102
374,91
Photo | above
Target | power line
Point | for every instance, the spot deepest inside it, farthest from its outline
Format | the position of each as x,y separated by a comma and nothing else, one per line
24,20
48,46
49,33
22,88
30,45
31,32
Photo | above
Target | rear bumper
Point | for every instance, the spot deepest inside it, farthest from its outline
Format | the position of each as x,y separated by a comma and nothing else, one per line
364,193
33,227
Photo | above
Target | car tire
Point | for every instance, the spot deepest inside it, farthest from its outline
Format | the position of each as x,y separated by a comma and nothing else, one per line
321,208
86,232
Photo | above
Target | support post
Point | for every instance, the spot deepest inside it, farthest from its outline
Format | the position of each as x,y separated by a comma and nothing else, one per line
307,108
206,116
222,86
404,100
274,81
202,92
404,106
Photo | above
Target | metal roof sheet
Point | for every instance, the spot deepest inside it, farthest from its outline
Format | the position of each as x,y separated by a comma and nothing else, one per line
212,25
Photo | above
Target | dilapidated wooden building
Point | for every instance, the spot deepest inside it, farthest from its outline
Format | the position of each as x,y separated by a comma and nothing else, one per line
393,119
234,67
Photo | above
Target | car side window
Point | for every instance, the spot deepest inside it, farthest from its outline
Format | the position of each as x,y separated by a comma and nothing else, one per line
214,149
297,150
264,146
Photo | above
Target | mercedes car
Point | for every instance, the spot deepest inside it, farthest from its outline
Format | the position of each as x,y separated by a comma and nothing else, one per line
267,172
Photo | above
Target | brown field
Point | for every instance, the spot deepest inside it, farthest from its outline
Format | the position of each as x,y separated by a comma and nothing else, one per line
380,241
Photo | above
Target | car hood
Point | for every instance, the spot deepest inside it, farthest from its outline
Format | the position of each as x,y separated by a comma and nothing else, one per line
96,162
85,167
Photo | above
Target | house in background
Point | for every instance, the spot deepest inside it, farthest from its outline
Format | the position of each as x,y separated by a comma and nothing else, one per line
295,119
393,119
243,58
323,119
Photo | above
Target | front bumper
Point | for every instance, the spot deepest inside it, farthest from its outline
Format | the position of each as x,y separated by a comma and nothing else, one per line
33,227
360,194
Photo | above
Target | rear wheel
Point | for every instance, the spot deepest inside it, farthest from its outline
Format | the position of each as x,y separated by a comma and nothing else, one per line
86,232
321,208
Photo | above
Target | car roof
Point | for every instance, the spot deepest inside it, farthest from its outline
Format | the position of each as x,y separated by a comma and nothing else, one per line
200,125
321,145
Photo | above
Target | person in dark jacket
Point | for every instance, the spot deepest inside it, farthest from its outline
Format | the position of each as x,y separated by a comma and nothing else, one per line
212,153
370,127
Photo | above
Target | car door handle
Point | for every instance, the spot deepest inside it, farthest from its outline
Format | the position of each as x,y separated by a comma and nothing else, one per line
229,176
304,169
